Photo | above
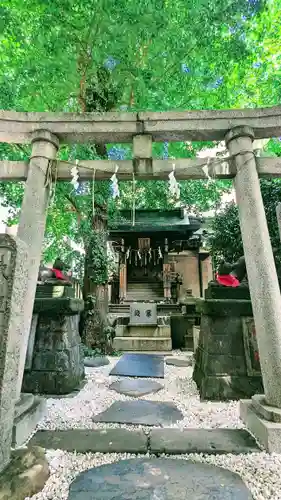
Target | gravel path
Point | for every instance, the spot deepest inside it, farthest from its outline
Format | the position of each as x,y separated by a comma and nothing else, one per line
95,397
260,471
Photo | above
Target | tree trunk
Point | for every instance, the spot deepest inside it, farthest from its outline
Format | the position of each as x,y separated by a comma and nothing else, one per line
96,332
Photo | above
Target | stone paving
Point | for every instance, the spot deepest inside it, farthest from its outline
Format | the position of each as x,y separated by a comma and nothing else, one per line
159,479
150,442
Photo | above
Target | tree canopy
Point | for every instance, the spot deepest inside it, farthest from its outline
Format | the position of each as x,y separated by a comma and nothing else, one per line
101,55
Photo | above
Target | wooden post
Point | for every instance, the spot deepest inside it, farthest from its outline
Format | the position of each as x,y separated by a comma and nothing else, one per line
166,272
32,223
262,276
122,274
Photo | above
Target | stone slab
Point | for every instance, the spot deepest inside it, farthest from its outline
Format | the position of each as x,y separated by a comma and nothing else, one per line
270,413
179,361
26,423
140,412
142,344
96,361
139,365
143,314
268,434
210,441
25,402
135,387
167,479
95,441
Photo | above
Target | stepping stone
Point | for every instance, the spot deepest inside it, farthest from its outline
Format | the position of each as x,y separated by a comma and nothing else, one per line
163,479
179,361
95,441
140,412
207,441
96,361
140,365
136,387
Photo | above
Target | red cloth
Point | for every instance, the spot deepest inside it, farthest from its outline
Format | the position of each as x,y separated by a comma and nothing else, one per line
59,275
227,280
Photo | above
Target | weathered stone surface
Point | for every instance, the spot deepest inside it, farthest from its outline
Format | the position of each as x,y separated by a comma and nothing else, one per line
57,362
25,475
225,307
140,412
25,402
225,366
96,361
96,441
214,291
31,226
139,365
143,314
187,361
175,441
267,433
13,282
144,479
136,387
27,420
261,269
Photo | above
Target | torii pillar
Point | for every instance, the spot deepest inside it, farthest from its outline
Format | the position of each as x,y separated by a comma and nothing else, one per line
262,277
32,223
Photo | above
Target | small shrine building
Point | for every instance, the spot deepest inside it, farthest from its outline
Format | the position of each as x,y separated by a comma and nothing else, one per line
160,256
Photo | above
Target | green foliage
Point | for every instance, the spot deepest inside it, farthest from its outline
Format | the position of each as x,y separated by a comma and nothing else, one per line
73,55
97,267
226,241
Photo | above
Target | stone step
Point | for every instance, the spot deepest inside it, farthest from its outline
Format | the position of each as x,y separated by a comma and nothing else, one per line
162,309
165,440
142,344
143,331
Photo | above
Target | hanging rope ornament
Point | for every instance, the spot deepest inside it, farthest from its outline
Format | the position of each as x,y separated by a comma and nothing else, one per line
205,169
174,187
114,184
134,201
75,176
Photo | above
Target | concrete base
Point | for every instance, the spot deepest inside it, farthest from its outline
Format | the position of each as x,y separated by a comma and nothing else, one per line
143,338
142,344
28,412
263,421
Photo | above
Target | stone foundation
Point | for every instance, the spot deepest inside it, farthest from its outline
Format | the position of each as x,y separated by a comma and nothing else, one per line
263,421
57,363
226,361
28,413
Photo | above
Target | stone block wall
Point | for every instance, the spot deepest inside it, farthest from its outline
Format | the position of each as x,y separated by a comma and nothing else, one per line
226,362
57,362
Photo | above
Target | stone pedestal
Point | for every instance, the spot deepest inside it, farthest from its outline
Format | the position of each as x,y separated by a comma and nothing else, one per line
226,361
145,331
28,412
263,421
57,363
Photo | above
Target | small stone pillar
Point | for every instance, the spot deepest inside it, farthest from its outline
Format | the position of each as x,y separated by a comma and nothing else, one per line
13,283
262,276
32,224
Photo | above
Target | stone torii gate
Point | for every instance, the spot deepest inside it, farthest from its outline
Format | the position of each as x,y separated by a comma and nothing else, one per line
45,131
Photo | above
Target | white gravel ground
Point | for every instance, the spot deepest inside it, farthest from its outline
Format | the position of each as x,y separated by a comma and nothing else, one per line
95,397
260,471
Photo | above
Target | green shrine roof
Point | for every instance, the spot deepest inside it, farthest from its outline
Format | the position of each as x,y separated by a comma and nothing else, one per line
150,221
